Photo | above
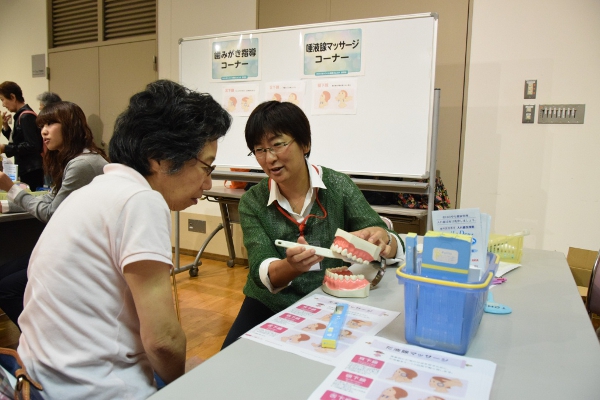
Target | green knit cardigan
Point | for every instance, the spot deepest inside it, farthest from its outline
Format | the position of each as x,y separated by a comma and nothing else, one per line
261,225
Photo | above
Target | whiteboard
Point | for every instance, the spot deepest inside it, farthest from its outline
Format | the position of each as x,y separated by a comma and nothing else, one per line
389,135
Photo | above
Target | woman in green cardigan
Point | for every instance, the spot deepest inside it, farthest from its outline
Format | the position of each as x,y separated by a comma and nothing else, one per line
298,202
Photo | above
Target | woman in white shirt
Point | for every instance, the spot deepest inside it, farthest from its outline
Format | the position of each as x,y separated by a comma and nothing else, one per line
99,319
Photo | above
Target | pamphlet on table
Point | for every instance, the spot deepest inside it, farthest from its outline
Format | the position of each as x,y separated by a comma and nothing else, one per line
467,221
505,267
299,328
377,368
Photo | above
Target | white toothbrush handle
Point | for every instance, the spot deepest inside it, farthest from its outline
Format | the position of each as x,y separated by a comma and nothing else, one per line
320,251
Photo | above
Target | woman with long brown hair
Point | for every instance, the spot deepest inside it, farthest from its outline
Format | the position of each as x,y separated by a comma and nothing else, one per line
72,161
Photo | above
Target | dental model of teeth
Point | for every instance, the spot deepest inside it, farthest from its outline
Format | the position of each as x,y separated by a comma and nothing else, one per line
340,282
354,248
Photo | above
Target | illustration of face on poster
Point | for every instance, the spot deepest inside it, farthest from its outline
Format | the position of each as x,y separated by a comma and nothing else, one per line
292,91
334,96
240,100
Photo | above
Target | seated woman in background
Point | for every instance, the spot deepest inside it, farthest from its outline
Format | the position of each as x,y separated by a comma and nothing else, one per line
297,202
72,160
99,316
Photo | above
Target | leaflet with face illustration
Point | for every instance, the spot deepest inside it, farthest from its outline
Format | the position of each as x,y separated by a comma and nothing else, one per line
299,328
380,369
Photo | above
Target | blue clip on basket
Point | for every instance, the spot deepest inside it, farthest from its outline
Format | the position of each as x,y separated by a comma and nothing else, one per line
444,315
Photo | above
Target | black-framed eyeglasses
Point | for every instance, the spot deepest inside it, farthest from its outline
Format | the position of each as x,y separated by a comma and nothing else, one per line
208,168
276,149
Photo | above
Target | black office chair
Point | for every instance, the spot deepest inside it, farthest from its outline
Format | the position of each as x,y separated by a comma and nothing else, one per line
593,295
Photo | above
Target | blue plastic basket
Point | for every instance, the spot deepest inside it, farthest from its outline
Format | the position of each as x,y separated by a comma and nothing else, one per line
444,315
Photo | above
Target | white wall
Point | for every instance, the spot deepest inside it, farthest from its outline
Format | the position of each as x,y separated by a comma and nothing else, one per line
187,18
178,19
540,177
23,34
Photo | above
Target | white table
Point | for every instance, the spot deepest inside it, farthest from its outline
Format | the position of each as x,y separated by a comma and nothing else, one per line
546,349
229,199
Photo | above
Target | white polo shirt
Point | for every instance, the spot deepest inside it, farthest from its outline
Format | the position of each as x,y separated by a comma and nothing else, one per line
81,333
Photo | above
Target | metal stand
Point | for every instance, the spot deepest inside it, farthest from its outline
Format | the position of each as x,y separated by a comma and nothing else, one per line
229,215
193,267
432,159
228,234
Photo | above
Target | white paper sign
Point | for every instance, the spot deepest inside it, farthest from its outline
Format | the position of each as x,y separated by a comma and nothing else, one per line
377,368
300,327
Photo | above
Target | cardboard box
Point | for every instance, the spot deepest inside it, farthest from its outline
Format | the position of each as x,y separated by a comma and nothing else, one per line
581,262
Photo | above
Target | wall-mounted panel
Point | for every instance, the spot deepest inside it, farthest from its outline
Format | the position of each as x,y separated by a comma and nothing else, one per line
74,76
125,69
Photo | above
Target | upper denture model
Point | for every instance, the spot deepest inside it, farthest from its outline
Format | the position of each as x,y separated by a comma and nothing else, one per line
354,248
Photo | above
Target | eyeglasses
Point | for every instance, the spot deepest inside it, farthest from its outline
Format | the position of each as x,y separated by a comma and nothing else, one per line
208,169
276,149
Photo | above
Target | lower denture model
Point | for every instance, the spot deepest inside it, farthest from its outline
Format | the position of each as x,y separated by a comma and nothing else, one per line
354,248
340,282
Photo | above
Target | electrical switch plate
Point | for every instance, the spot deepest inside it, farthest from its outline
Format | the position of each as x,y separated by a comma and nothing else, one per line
196,225
528,113
530,89
561,114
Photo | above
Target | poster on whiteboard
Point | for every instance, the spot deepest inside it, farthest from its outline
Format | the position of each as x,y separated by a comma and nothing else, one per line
290,91
235,58
240,99
333,53
334,96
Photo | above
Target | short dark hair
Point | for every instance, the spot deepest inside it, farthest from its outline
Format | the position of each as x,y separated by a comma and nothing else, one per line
166,122
7,88
273,117
48,97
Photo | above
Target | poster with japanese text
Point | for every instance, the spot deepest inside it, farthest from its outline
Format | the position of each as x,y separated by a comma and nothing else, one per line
333,53
292,91
240,99
466,221
334,96
378,369
300,327
235,59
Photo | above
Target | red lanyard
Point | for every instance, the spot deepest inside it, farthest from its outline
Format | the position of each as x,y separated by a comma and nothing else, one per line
302,225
